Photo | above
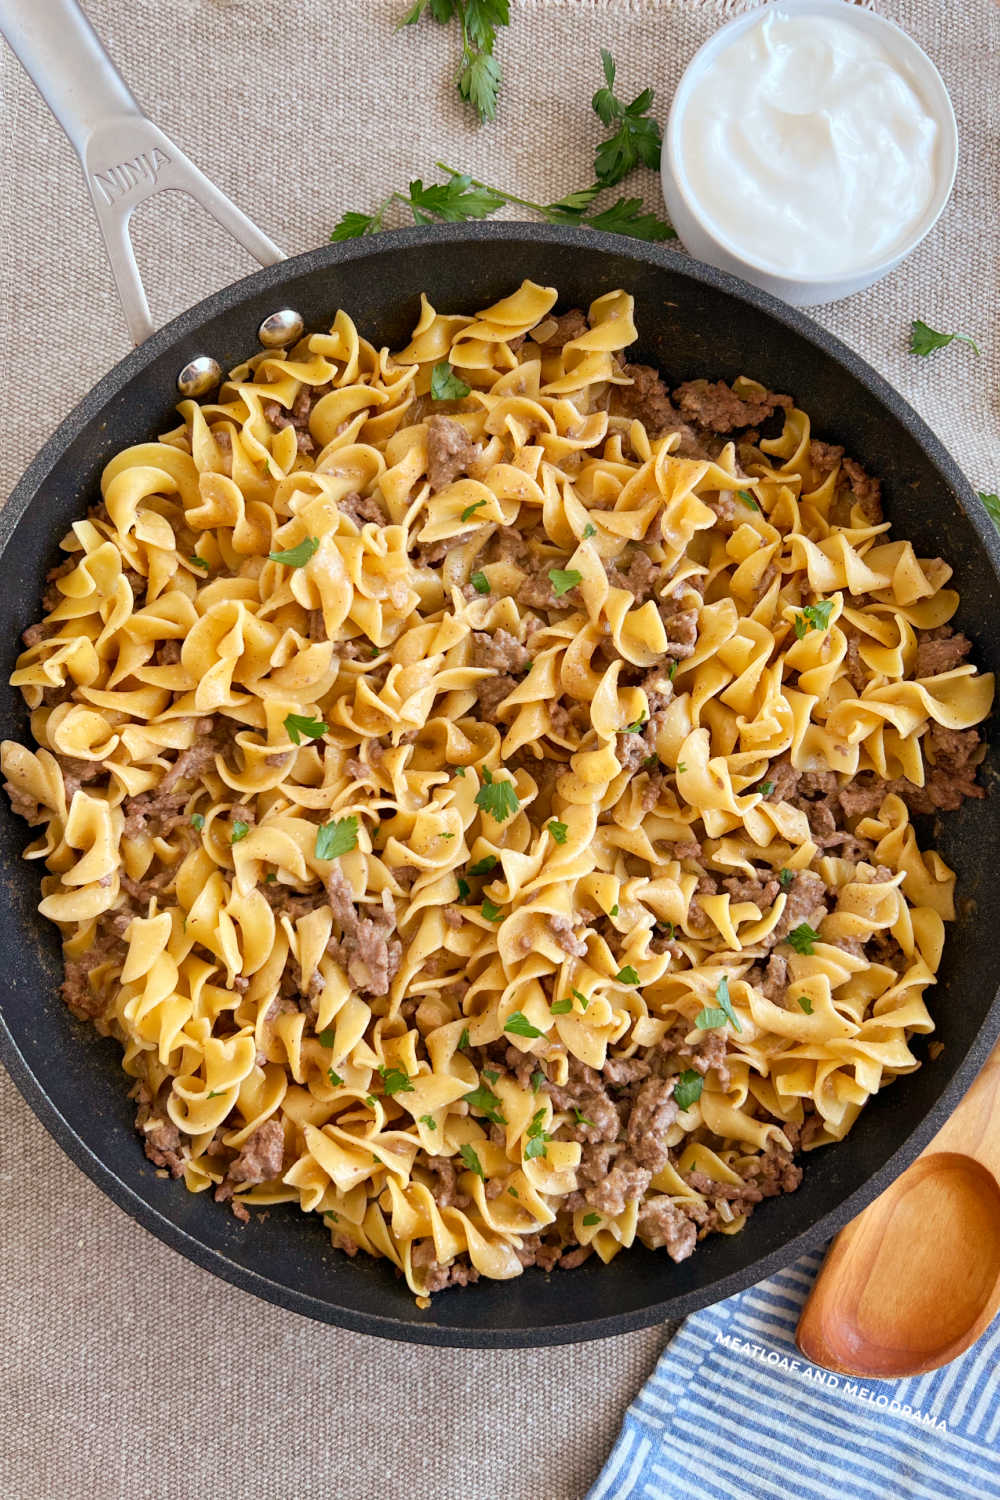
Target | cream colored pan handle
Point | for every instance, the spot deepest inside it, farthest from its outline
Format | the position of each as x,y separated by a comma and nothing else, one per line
125,157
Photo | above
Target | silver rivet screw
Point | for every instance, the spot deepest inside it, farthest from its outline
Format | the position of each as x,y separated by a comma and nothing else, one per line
281,328
199,376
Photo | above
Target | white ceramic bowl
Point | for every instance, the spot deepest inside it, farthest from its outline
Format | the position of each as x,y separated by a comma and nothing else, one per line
707,243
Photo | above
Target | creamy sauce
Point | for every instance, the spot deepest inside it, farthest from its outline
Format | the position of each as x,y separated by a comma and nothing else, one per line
808,148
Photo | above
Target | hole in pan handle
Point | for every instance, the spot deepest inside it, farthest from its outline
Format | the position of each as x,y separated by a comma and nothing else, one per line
125,157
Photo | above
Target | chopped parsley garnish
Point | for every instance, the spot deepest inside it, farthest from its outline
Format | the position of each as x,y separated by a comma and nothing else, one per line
804,1003
297,557
801,938
581,1118
710,1017
537,1079
460,771
765,788
498,798
491,912
561,1007
239,831
480,582
785,877
813,617
470,1157
483,866
681,767
687,1089
447,386
669,928
334,1077
395,1081
463,1040
614,910
924,340
591,1219
429,1121
470,510
484,1099
564,579
747,499
518,1025
672,671
371,1102
298,725
588,531
197,821
215,1093
559,831
336,838
491,1075
270,878
538,1137
326,1037
627,975
635,726
199,562
464,889
583,999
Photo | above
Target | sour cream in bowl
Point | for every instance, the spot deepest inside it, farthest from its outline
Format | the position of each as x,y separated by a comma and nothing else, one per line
810,146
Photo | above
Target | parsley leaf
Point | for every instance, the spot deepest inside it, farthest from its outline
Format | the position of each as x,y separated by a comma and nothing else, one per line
197,821
491,1075
483,866
351,226
687,1089
470,510
199,562
447,386
498,798
537,1079
718,1015
480,583
297,557
453,201
460,771
588,531
518,1025
805,1004
463,1040
334,1077
747,499
765,788
270,878
627,975
538,1137
992,503
924,340
484,1099
297,725
491,912
590,1219
239,831
479,82
636,138
429,1121
801,938
813,617
625,216
464,889
564,579
635,726
336,838
559,831
561,1007
326,1036
395,1081
581,1118
470,1157
785,878
583,999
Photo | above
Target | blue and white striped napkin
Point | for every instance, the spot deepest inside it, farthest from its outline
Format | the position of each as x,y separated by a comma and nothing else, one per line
734,1412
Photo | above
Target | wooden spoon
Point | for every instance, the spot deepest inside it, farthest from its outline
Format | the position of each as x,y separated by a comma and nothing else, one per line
913,1281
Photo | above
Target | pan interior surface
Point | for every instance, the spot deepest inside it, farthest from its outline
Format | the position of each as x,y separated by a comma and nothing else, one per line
693,322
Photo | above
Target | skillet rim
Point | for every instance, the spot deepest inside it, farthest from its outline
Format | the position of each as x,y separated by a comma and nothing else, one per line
131,368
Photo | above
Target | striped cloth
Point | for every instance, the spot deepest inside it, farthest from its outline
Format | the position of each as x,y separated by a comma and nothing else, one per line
734,1411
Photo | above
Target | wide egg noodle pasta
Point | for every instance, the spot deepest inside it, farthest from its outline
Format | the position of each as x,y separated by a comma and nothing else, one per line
583,695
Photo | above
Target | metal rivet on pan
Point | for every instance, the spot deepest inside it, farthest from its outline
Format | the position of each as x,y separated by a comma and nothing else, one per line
199,376
281,328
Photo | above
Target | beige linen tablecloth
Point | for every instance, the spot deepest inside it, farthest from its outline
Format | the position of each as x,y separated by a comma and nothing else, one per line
125,1372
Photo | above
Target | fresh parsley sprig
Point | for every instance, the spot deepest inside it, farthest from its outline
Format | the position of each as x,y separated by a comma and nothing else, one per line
992,504
636,138
924,340
480,75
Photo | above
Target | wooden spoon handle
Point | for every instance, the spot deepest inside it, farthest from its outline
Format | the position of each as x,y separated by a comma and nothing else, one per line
914,1280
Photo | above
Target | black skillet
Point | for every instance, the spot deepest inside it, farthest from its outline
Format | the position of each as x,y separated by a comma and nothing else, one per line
694,321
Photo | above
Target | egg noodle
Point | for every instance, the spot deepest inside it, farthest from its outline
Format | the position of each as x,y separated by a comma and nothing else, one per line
386,940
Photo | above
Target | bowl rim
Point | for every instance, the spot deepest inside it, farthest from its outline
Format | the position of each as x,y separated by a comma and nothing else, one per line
186,326
912,53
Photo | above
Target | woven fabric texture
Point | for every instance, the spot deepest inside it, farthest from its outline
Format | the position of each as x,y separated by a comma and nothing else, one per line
127,1372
